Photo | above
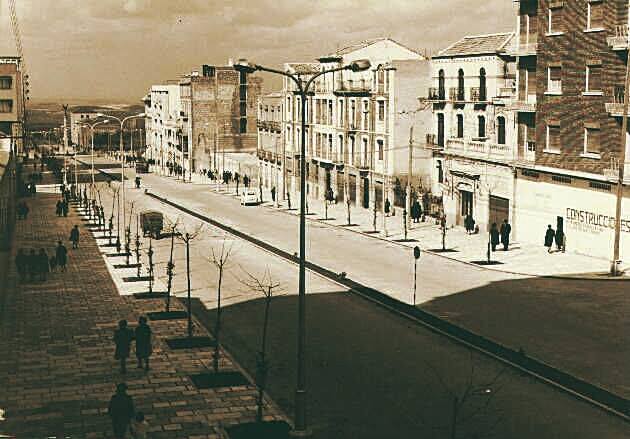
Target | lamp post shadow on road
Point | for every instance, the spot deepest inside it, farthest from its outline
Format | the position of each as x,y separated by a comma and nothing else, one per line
303,86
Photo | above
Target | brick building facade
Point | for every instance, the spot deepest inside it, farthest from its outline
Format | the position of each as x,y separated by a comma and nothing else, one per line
571,58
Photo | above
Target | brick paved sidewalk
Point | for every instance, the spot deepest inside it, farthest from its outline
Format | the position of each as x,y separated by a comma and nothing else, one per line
57,370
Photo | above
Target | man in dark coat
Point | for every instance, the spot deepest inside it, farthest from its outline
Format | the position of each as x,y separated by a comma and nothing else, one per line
58,208
387,206
42,264
32,264
74,236
494,236
506,229
21,264
549,236
143,343
123,337
416,211
64,207
61,253
121,411
559,238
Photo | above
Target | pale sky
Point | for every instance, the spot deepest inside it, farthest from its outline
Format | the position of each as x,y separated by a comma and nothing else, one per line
117,48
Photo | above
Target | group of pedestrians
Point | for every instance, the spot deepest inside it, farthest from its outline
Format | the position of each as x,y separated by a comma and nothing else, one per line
500,235
556,236
34,266
121,408
61,208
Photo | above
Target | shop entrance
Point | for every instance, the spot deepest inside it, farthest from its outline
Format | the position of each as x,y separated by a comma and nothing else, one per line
499,210
466,205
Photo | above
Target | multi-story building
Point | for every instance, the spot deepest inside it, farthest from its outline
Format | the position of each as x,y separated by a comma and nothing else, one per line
84,115
270,144
358,124
571,58
11,103
211,114
473,136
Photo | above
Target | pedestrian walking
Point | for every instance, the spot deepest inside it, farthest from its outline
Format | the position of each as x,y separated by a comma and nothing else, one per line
74,237
549,236
143,343
52,262
273,194
58,208
469,223
21,264
246,181
387,206
139,426
506,229
494,236
61,252
32,265
64,207
42,264
559,238
121,411
416,211
123,336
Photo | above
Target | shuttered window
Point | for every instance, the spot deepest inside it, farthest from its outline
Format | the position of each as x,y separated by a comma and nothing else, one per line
592,140
553,138
595,15
594,78
6,82
6,106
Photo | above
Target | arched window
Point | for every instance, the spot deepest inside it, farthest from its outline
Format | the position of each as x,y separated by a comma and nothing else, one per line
481,132
482,84
501,130
440,129
460,85
460,126
441,85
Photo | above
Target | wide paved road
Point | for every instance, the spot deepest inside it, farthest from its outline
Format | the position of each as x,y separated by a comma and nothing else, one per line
578,325
371,374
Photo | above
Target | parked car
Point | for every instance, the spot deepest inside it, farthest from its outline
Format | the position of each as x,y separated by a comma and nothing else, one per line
249,197
152,223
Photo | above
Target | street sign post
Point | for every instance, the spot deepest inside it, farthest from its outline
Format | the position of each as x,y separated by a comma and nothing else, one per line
416,256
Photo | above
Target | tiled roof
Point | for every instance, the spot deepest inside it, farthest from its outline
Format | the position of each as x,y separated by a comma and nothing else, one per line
478,45
351,48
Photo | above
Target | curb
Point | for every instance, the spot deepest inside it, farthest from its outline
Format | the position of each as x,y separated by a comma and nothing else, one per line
580,388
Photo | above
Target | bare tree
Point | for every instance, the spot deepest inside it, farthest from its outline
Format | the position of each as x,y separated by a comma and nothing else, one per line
268,287
472,414
187,237
170,266
220,261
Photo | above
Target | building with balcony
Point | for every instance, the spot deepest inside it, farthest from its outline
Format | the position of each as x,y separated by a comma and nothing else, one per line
570,103
270,142
213,115
358,124
472,130
11,104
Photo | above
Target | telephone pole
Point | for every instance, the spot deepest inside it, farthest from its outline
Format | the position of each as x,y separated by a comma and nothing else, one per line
409,177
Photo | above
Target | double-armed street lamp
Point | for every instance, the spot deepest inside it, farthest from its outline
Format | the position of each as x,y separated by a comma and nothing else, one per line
303,86
122,162
91,126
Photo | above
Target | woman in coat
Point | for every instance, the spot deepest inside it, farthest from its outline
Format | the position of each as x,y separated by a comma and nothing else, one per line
549,236
143,343
494,236
123,337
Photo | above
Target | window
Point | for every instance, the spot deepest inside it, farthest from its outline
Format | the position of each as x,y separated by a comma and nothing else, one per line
595,15
481,131
441,85
381,111
460,126
594,78
289,106
482,84
553,138
330,113
341,115
554,79
6,82
501,130
6,106
460,85
591,140
379,148
554,23
366,113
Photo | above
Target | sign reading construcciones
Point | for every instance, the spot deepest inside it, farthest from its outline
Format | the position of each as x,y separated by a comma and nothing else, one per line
594,222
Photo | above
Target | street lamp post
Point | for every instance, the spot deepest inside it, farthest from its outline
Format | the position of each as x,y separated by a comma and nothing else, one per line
91,126
302,88
122,160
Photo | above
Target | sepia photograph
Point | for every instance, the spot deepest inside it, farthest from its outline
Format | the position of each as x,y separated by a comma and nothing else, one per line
257,219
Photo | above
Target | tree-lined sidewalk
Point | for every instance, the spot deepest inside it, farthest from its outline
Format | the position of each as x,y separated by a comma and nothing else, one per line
57,370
